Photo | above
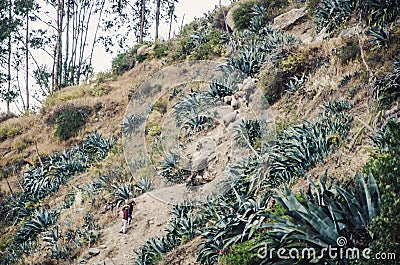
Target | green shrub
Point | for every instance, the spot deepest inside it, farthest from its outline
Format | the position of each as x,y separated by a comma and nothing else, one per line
294,63
312,5
272,79
64,95
160,50
243,15
104,76
242,254
153,128
21,145
385,167
69,121
99,90
161,106
9,132
123,62
140,58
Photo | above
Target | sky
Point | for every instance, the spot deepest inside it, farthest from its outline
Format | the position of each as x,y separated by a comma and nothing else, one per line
187,10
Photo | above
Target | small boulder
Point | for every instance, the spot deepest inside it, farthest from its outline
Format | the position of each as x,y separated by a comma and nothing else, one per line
143,50
229,18
288,20
94,251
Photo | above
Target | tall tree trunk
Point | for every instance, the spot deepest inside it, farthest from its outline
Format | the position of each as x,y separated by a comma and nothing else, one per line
27,57
58,55
9,57
157,19
171,17
66,72
142,21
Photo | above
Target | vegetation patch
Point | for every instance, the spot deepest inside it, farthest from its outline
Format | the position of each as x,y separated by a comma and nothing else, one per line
69,121
388,87
385,167
7,131
243,15
123,62
64,95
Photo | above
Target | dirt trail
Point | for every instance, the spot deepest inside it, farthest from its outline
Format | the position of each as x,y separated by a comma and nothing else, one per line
149,219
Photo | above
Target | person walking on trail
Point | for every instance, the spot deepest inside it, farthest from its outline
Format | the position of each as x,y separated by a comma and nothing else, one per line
130,210
124,218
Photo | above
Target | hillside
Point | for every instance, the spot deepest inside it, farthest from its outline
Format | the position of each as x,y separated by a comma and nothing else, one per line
266,123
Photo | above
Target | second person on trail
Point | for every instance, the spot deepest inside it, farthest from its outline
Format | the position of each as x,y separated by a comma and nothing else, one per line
130,210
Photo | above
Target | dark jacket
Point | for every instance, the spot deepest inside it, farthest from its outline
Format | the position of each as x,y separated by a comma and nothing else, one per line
130,209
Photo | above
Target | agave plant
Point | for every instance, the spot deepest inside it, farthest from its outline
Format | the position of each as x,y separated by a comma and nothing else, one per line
326,215
346,79
96,147
54,244
250,59
381,12
195,124
252,55
388,87
388,137
379,37
218,90
37,224
302,146
333,13
123,191
296,83
236,222
249,132
143,185
192,105
257,22
151,251
227,83
198,38
131,123
170,170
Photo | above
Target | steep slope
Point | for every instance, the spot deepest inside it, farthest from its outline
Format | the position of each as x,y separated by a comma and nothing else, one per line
300,81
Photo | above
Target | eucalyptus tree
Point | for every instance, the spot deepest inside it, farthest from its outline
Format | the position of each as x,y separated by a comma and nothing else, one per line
69,32
166,10
123,19
13,13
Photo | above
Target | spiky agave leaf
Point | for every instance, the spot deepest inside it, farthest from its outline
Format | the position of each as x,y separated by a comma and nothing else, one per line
324,216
